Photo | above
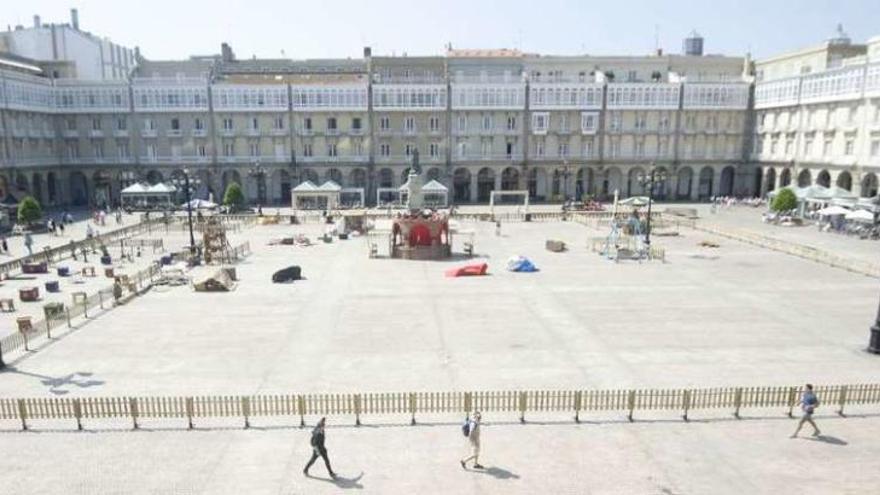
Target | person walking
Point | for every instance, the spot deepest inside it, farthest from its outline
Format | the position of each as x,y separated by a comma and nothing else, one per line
473,436
29,243
61,228
318,448
808,402
4,245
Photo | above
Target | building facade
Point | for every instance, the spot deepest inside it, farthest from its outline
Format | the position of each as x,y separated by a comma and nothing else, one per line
481,120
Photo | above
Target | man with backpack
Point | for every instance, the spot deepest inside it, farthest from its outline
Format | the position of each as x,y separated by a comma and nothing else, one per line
471,429
318,448
808,402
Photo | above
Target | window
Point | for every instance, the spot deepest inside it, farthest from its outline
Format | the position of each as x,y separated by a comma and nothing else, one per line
641,122
631,76
149,125
434,124
71,124
488,123
462,123
121,124
563,123
826,147
151,152
278,123
228,148
511,123
358,147
254,148
96,124
199,124
201,150
539,147
98,149
616,123
434,150
563,149
255,123
356,123
410,148
850,147
462,148
640,148
485,147
588,149
384,123
307,124
175,124
789,144
875,147
540,122
307,149
690,121
385,149
331,149
227,124
808,146
122,149
409,124
331,125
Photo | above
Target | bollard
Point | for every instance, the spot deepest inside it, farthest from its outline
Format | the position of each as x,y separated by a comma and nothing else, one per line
189,411
630,404
357,409
792,393
737,402
133,407
686,402
246,410
577,405
22,413
77,413
101,298
412,408
841,400
523,400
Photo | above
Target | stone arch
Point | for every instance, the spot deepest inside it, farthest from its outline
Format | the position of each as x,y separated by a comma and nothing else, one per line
155,177
461,184
869,185
804,178
844,180
785,177
229,177
22,185
102,188
824,179
728,179
333,174
52,187
707,177
485,183
79,189
537,183
685,185
37,187
357,178
583,184
771,179
612,180
434,173
661,184
633,186
509,179
206,187
386,177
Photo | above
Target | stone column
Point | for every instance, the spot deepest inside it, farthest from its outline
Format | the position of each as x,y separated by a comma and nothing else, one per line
473,188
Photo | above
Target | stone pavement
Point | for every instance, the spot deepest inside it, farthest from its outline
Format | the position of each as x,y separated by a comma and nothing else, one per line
720,456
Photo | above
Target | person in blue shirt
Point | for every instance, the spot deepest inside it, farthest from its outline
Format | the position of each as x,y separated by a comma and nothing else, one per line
808,402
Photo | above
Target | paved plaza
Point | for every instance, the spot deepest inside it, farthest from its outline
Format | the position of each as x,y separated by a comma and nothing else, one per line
736,315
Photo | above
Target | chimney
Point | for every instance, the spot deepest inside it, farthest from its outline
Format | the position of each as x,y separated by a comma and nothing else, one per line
226,52
74,19
37,23
368,52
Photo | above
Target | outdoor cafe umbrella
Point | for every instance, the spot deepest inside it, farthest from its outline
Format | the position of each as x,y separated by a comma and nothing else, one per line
860,216
197,204
833,210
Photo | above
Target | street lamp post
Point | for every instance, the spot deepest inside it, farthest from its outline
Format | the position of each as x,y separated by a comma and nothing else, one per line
650,180
187,189
563,172
259,174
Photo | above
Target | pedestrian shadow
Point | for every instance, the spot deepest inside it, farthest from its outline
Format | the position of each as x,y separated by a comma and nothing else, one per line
828,439
60,385
342,481
497,472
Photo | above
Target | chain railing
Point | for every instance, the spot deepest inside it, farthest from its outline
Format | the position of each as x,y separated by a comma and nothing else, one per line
298,406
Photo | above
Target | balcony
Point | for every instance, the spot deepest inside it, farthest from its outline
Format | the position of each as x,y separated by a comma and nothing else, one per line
120,133
199,133
149,133
278,132
305,132
227,132
19,133
331,132
487,157
96,133
184,159
35,133
356,132
174,133
70,133
251,132
334,159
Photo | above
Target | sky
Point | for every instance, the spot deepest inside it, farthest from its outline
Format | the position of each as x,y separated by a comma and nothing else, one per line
299,29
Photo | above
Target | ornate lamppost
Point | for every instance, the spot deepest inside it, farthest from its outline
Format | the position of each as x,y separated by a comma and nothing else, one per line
188,185
650,179
259,174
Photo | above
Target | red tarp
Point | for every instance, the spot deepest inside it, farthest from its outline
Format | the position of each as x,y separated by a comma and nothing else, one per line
468,270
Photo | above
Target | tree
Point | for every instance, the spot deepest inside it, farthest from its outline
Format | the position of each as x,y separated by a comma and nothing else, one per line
233,197
29,210
784,201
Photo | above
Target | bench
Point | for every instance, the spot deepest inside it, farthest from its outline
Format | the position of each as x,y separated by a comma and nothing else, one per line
29,294
35,268
25,324
88,271
469,248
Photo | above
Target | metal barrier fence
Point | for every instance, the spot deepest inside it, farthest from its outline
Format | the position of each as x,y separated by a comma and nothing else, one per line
82,304
809,253
58,253
577,402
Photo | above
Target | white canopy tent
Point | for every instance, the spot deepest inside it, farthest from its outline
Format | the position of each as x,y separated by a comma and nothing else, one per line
308,196
860,216
435,194
143,196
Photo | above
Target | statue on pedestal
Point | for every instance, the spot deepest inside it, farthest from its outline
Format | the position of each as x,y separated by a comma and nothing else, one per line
414,200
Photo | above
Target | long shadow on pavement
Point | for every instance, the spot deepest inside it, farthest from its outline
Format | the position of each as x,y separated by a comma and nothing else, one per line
342,481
